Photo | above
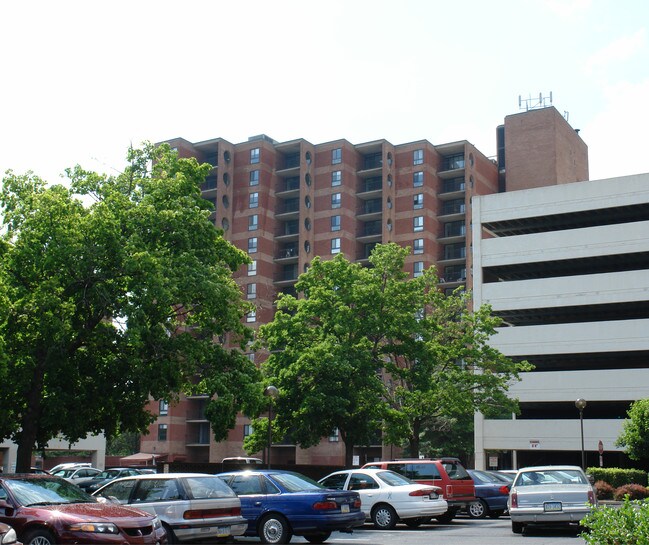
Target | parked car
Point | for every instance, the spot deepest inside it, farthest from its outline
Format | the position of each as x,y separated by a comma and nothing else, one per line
449,474
550,495
69,465
8,535
44,510
106,476
77,475
388,497
504,475
278,504
190,505
491,492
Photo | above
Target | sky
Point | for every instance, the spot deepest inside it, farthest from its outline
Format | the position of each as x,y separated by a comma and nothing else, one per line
81,81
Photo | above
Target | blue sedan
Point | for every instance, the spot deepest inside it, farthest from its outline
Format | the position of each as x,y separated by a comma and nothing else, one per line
279,504
491,495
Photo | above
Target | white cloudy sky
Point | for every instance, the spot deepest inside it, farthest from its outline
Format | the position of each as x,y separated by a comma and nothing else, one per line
82,80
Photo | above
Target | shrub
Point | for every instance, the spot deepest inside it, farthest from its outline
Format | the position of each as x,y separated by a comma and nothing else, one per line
604,490
616,476
628,524
634,491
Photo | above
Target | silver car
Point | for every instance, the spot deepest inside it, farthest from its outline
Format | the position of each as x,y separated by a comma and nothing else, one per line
191,506
549,495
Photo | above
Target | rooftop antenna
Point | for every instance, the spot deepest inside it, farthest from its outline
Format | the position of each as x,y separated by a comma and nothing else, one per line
534,103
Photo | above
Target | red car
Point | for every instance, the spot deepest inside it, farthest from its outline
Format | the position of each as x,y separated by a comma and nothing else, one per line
45,510
8,535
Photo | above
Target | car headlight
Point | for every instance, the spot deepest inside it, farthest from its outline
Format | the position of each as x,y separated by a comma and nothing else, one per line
9,537
156,523
94,527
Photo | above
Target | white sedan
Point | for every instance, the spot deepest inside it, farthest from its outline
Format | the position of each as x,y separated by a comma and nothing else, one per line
387,497
549,495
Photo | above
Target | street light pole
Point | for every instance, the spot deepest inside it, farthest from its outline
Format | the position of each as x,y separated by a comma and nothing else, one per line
271,392
581,405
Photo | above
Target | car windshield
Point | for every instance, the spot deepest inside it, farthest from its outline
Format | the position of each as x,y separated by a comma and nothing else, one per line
293,482
484,478
64,473
45,491
393,479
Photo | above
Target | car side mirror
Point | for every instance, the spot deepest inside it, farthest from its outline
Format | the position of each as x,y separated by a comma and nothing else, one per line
9,509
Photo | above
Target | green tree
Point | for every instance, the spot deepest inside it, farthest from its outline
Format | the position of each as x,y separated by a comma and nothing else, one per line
324,359
372,347
114,291
634,437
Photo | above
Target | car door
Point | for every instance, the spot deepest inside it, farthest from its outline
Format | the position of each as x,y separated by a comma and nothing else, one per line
368,489
252,493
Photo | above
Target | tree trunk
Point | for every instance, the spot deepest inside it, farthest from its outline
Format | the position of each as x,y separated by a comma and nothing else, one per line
29,424
413,440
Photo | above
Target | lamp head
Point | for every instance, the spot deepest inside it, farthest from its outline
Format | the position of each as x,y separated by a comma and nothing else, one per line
271,391
581,404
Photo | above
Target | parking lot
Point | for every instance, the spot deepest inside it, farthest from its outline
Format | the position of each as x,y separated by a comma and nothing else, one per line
462,531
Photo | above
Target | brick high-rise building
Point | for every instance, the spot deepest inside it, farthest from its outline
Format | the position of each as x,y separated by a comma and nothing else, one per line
286,202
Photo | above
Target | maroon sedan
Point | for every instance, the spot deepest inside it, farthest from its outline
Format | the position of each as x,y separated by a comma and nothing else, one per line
45,510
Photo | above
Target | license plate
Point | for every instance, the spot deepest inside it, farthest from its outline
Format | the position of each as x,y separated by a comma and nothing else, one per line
552,506
344,508
223,531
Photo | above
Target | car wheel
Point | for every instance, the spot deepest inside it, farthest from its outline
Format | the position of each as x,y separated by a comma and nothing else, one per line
171,537
517,527
446,517
317,538
495,514
274,529
384,517
39,536
477,509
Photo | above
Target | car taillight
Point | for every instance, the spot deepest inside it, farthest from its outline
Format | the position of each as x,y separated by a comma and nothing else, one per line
357,503
323,505
211,513
423,492
449,491
513,498
591,498
504,489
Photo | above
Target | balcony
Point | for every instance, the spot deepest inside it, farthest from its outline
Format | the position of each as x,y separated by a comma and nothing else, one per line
289,208
288,275
288,253
371,188
367,250
289,230
372,163
370,209
289,165
198,435
454,231
454,253
288,187
209,185
371,229
452,210
452,188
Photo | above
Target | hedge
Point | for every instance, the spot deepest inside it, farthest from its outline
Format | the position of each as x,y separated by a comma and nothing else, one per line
627,525
617,477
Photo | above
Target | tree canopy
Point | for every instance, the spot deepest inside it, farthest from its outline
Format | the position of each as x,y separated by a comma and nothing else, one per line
634,437
371,348
113,290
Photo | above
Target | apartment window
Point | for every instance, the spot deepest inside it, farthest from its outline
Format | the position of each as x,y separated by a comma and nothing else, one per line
418,157
418,201
418,269
251,357
253,222
254,177
417,179
251,316
336,177
164,407
418,223
253,200
251,291
335,223
252,245
418,246
336,156
247,430
252,268
254,155
335,245
335,436
336,200
162,432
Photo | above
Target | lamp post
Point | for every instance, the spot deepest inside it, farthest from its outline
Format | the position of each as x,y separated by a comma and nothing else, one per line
581,405
271,392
